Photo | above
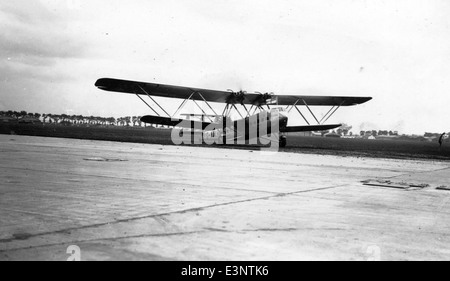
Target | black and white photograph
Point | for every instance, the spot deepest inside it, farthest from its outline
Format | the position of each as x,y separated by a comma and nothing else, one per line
224,131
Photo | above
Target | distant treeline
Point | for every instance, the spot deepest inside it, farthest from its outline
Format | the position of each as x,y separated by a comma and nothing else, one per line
74,119
378,133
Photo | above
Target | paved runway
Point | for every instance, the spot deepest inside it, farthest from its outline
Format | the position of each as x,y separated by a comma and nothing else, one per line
122,201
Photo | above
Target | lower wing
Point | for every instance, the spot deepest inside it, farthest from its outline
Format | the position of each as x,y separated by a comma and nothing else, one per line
175,122
310,128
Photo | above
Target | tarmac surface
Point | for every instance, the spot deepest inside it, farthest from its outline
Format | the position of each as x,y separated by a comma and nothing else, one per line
125,201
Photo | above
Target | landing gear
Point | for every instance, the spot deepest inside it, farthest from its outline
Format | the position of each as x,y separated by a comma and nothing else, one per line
283,141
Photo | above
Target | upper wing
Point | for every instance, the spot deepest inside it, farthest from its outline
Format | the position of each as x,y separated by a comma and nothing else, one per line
168,91
322,100
160,90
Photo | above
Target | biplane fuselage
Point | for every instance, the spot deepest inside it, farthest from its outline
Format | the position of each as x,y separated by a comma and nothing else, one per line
249,128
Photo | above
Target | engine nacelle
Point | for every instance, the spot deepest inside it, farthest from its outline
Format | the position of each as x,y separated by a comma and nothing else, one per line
263,99
236,97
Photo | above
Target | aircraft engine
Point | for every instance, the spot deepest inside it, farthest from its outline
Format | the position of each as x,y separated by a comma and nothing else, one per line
263,99
236,97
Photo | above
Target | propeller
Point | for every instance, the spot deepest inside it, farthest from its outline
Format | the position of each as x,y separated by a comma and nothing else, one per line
262,99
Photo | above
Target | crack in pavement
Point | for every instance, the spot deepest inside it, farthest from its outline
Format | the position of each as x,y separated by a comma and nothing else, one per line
62,231
103,239
205,230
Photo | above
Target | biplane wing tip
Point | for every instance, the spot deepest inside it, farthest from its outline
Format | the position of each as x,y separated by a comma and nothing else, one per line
103,83
100,84
356,101
351,101
365,99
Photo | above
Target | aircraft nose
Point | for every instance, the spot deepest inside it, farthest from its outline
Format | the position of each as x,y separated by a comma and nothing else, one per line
283,119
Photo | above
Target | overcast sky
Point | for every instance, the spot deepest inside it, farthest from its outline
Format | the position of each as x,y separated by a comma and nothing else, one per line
398,52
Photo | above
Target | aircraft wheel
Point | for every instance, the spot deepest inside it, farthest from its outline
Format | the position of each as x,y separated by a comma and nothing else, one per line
283,141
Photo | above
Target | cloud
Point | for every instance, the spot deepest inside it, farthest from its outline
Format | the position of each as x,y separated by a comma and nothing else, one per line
26,11
38,44
32,34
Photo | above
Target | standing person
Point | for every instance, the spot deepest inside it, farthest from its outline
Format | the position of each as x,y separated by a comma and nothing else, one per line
441,139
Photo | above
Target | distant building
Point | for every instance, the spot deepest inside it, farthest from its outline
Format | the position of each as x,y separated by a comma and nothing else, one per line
432,135
303,134
7,120
332,135
29,120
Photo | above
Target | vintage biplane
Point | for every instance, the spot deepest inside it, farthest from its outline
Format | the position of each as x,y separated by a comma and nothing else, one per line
260,109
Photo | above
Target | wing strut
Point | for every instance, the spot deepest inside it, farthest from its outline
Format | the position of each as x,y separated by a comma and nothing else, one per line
207,103
324,119
204,113
307,106
332,113
292,106
153,101
229,108
182,105
225,110
248,112
327,114
301,114
148,104
238,111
